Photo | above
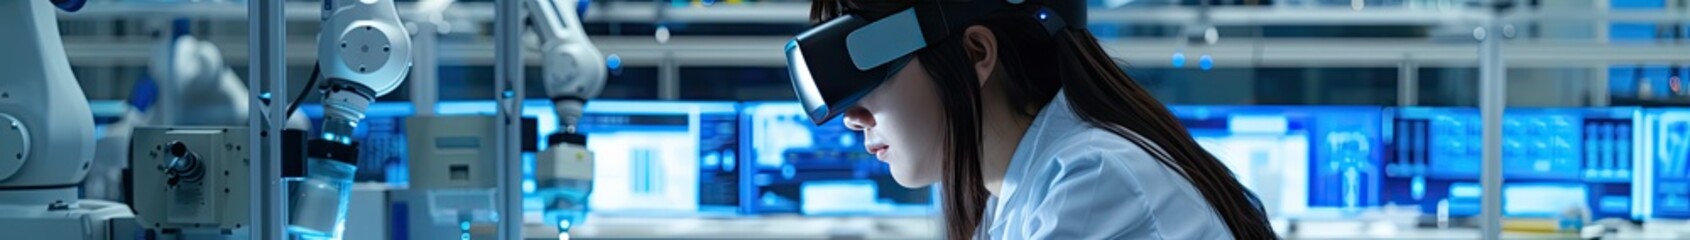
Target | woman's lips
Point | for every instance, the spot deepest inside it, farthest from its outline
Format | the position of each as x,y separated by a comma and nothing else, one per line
879,150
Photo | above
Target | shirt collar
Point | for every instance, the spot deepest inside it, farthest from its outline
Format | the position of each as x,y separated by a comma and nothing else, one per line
1055,116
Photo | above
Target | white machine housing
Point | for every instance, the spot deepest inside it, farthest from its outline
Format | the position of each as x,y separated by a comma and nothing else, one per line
452,151
218,199
363,42
453,173
49,139
46,133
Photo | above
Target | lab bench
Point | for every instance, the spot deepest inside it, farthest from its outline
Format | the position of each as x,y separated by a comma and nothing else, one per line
769,227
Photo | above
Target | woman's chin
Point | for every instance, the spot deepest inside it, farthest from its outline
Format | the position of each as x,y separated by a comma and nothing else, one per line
908,181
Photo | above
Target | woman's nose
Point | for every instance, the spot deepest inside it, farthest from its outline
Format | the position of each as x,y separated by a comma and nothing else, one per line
858,119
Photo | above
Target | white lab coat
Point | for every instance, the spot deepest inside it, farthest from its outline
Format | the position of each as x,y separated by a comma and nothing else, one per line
1071,180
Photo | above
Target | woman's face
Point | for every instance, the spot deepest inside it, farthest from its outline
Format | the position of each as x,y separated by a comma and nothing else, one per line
903,125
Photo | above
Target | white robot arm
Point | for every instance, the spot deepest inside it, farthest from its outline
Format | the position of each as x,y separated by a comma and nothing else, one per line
574,72
46,132
191,75
364,52
574,69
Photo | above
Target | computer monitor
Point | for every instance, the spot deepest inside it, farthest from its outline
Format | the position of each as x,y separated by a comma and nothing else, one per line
1538,143
1667,161
663,157
1299,160
1439,150
793,166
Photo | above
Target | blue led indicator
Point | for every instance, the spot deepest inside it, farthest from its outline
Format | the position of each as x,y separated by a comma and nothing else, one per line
1206,62
464,236
463,226
1044,14
614,62
1179,60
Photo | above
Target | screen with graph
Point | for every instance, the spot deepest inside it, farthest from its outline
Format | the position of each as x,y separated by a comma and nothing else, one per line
663,157
794,166
1585,156
1300,160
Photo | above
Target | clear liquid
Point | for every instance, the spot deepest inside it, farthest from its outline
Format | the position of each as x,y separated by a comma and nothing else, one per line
565,202
317,203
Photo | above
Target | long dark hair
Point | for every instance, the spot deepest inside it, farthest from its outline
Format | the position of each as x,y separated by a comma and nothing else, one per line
1036,65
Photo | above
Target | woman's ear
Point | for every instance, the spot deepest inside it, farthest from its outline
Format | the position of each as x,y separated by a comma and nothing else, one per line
982,48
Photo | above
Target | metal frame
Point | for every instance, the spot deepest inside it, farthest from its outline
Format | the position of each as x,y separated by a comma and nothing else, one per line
1408,82
425,68
764,51
1492,99
508,34
267,31
796,13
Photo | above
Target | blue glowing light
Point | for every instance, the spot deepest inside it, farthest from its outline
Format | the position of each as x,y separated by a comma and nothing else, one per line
1179,60
1206,62
1044,14
463,226
614,62
581,8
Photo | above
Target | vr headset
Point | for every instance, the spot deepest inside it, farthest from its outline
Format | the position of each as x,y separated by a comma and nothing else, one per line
839,61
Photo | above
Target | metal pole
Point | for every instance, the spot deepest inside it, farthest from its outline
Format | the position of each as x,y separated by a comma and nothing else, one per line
508,65
1599,89
425,68
1493,75
267,36
1408,82
669,78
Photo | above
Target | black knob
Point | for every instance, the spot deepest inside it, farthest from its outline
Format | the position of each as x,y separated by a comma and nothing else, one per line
183,165
178,149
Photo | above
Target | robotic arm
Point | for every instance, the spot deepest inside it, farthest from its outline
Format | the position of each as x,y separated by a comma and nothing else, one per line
574,69
364,53
46,134
574,72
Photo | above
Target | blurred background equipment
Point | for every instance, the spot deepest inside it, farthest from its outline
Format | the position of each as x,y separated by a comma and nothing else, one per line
46,134
1361,119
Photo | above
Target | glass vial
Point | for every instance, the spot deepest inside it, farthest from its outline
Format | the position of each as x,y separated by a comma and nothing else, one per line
317,205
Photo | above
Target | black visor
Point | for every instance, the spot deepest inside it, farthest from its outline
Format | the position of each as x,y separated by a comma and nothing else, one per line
842,60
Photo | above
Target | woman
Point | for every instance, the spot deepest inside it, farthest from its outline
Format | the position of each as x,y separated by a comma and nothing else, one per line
1032,129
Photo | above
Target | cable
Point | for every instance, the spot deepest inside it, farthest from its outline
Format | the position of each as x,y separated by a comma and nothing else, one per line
309,85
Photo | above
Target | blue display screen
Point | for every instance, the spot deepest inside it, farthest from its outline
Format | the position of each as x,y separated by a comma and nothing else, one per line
1587,149
792,166
663,158
1538,143
1295,157
1668,137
